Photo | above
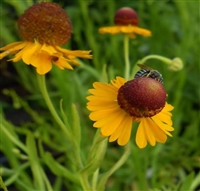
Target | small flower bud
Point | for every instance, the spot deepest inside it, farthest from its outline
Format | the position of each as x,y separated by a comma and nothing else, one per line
176,64
126,16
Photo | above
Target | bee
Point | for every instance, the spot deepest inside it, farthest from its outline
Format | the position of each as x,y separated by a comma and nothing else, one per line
147,72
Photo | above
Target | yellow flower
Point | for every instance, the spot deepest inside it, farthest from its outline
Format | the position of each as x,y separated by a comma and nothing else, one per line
117,105
44,27
126,21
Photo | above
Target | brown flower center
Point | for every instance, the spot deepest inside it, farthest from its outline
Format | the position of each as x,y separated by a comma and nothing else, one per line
142,97
45,22
126,16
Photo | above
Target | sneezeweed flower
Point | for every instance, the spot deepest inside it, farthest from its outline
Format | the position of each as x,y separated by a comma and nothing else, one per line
115,106
126,22
44,27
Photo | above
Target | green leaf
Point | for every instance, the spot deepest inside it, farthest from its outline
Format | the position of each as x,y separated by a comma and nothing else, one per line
96,155
58,169
9,132
187,182
76,128
2,184
117,165
34,162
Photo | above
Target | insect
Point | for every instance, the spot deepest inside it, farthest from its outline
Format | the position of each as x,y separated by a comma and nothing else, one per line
147,72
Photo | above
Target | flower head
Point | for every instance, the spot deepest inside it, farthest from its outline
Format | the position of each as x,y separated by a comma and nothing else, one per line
126,22
44,27
117,105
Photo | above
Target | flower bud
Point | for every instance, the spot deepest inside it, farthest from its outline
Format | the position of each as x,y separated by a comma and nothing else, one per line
176,64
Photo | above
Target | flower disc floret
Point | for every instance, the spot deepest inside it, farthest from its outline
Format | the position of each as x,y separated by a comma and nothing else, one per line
126,16
142,97
46,23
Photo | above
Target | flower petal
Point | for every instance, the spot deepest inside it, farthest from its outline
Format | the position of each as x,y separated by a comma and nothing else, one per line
163,126
118,82
110,127
136,30
148,126
48,49
103,93
125,30
141,139
73,54
42,63
159,134
165,115
29,52
16,46
104,87
111,30
126,123
99,114
96,107
109,118
168,107
62,63
101,100
149,131
126,132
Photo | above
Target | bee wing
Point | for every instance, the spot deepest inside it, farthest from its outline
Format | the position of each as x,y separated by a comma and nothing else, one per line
144,67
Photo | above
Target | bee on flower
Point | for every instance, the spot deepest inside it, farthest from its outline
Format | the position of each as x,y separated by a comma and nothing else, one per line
117,105
148,72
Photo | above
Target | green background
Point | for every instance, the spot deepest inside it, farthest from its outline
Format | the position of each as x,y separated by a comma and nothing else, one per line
175,33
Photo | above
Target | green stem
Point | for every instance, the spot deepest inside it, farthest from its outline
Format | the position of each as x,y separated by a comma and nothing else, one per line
139,166
96,155
163,59
117,165
153,56
2,184
126,56
43,89
46,180
64,127
95,178
97,140
84,182
13,138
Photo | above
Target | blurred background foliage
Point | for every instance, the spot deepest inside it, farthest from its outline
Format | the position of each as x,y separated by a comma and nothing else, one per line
175,33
